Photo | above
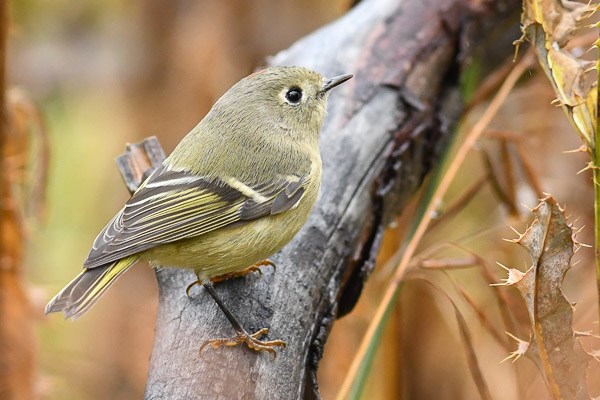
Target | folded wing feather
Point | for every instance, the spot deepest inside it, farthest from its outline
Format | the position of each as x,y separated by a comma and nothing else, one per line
173,205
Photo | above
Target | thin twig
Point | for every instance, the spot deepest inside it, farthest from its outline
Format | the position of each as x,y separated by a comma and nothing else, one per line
481,315
497,188
530,175
461,202
509,176
491,83
448,263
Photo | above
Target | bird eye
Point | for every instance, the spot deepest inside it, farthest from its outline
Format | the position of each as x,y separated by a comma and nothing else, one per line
294,95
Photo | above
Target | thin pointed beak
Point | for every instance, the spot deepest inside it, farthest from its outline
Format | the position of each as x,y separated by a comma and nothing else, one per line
335,81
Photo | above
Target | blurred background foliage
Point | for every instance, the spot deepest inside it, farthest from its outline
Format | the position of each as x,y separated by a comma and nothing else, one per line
109,72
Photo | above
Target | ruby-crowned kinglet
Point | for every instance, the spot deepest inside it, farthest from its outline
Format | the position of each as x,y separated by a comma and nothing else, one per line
236,189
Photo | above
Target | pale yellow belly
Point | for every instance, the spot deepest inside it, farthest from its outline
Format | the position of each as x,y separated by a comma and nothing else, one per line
234,248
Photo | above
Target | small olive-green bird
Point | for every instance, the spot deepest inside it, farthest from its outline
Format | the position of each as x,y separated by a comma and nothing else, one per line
236,189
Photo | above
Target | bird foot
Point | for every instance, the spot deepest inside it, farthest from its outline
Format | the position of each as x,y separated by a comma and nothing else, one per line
191,285
251,340
250,269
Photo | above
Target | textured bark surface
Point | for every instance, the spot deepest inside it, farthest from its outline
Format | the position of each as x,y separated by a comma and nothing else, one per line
384,130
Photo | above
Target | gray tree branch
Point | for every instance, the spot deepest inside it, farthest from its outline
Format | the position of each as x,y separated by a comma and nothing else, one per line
384,130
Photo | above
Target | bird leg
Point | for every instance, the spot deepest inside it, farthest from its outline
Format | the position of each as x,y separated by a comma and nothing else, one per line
252,268
242,336
230,275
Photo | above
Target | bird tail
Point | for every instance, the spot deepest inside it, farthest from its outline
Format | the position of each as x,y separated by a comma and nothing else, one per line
83,291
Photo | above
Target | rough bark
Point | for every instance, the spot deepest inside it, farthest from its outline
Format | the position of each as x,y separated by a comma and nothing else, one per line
385,129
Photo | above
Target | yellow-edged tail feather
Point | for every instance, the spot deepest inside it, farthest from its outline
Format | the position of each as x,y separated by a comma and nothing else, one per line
82,292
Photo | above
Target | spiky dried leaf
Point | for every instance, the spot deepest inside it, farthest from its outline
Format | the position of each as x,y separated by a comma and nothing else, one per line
549,25
553,345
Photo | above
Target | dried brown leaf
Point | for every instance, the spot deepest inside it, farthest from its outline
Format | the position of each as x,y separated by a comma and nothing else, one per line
549,25
555,349
559,19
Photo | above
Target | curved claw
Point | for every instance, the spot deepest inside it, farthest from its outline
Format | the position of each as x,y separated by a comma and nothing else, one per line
265,263
190,286
250,340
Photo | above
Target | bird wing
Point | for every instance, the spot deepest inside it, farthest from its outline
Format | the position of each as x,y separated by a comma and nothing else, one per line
173,205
